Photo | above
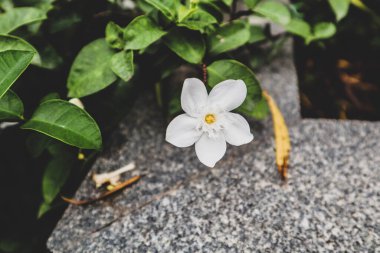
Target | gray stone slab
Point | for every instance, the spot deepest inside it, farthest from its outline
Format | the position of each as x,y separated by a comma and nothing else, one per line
331,201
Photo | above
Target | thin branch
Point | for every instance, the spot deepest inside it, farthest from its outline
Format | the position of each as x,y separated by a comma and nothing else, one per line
243,13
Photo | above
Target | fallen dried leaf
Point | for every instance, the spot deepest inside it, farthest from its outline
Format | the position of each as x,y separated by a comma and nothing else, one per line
281,134
116,188
112,177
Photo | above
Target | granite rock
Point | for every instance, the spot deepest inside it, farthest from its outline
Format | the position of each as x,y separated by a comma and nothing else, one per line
331,202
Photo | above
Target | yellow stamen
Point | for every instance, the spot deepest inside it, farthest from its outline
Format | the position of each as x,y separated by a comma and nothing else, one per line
81,156
210,118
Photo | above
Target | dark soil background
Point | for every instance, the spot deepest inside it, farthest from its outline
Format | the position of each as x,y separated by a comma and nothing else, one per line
339,78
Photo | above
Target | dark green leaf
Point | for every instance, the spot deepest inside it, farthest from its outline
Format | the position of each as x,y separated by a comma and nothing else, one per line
59,149
55,176
66,122
258,110
17,17
11,246
257,34
187,44
142,32
174,106
49,57
222,70
91,71
64,22
122,64
114,36
340,8
12,64
36,143
274,11
228,37
11,107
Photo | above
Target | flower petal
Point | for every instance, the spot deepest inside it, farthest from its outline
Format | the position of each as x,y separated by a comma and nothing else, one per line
194,96
228,95
210,150
182,132
236,129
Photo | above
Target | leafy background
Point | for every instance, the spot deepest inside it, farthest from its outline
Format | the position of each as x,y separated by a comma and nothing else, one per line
107,53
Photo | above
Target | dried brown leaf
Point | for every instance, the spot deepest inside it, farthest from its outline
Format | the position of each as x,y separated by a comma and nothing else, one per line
281,134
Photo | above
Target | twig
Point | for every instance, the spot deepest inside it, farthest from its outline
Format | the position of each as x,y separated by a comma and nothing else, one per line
233,10
106,194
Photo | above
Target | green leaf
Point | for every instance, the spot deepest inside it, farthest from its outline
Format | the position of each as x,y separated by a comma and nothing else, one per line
142,32
323,30
274,11
183,11
340,8
251,3
12,64
64,22
52,95
299,27
198,20
49,57
11,107
144,6
55,175
66,122
114,36
17,17
45,5
122,64
212,8
174,107
11,245
6,5
222,70
228,37
91,70
188,45
258,110
257,34
59,149
227,2
9,42
44,208
166,7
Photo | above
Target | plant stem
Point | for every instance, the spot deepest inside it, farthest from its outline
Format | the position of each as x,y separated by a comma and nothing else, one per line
233,10
204,70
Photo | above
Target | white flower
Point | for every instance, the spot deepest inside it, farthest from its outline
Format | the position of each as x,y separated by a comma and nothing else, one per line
77,102
208,122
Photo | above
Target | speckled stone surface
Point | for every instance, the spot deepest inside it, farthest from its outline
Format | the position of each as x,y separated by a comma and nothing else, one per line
331,202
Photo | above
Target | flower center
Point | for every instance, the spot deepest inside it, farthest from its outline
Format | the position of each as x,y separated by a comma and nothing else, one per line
210,118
